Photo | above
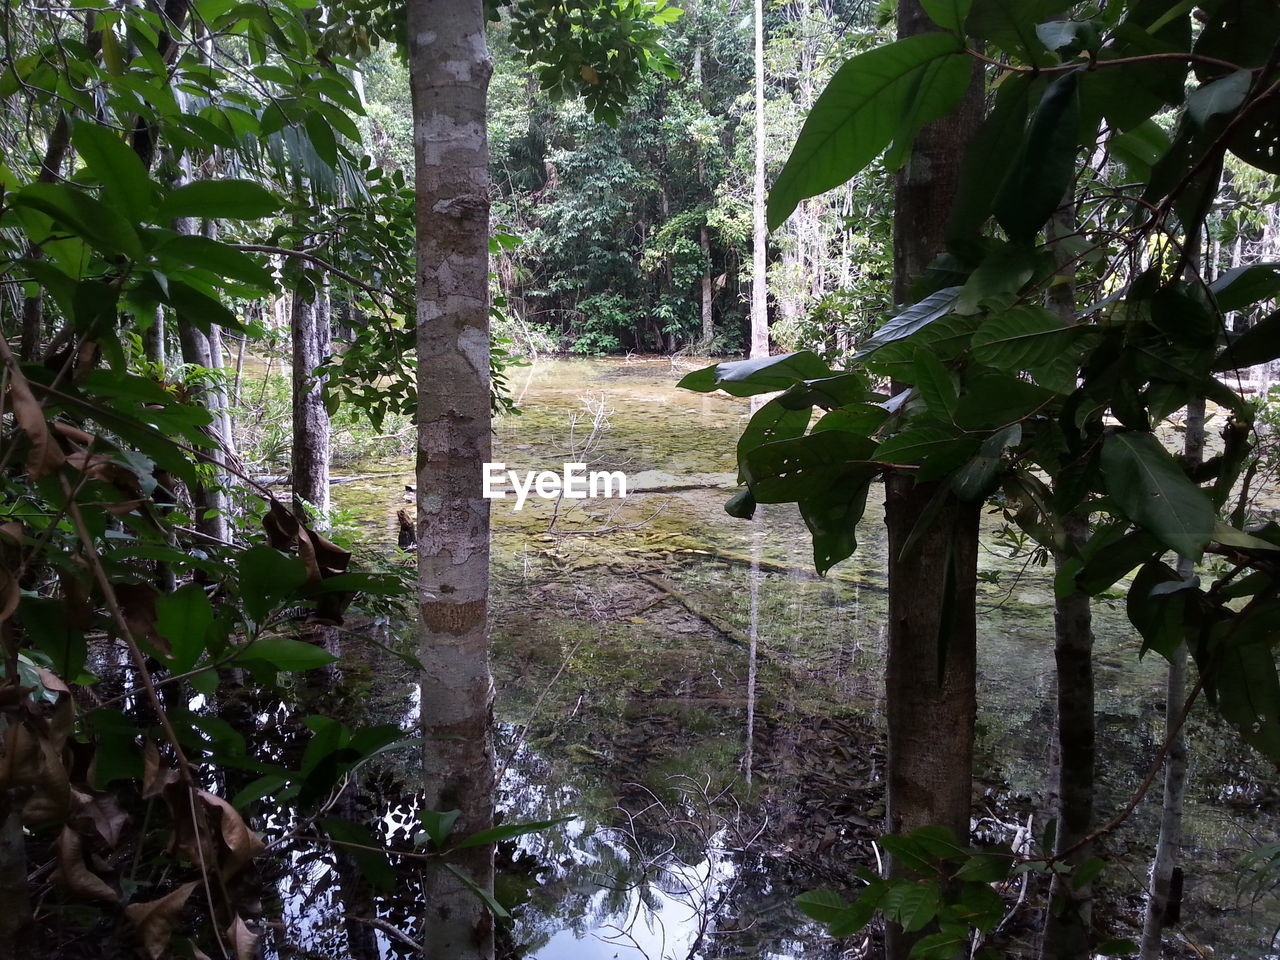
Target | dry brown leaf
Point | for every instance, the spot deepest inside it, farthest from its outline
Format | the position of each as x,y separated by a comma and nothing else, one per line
75,875
156,775
51,681
102,813
72,433
244,942
138,603
242,843
10,594
155,920
45,456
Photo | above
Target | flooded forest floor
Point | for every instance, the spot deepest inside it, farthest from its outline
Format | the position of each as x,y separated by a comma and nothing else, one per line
703,802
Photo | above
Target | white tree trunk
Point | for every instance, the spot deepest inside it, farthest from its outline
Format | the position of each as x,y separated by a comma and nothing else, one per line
759,282
450,69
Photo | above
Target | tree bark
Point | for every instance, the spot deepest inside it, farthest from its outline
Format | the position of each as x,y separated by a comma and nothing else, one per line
450,69
310,337
932,630
708,326
760,233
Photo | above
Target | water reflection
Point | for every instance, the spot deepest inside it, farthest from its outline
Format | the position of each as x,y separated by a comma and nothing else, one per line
625,699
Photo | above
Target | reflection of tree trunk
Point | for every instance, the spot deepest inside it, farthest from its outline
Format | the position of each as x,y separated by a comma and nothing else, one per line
932,630
450,69
1165,894
1069,918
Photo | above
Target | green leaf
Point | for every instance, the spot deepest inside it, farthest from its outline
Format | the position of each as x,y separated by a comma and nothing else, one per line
285,654
911,904
788,471
772,422
114,164
863,106
821,905
320,133
438,824
101,226
936,386
1259,344
184,618
746,378
1239,669
948,14
833,515
220,258
988,158
1021,338
221,199
986,868
1220,96
980,476
372,863
863,419
267,578
910,321
485,897
915,444
1154,492
742,505
943,945
1044,169
506,831
1011,25
1242,287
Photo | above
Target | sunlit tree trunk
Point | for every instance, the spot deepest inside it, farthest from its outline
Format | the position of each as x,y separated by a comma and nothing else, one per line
760,234
929,678
450,69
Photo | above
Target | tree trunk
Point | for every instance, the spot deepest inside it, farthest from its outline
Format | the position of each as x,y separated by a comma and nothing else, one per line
932,630
310,336
708,327
1068,921
153,339
55,153
450,69
1165,894
760,233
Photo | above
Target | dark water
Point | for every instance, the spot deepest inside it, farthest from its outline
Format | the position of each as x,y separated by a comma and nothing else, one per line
622,669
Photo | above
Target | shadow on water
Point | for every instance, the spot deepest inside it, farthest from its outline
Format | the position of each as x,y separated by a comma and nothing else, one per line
620,655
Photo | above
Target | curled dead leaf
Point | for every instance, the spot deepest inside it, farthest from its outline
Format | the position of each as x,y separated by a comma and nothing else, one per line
101,813
241,843
155,920
44,456
75,875
244,942
156,774
70,432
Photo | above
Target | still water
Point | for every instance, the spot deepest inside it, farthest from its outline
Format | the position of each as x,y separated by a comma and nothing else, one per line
621,638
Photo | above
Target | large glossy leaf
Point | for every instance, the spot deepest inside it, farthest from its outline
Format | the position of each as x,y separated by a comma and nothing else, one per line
116,166
226,199
1259,344
1021,338
285,654
1238,663
990,154
872,98
936,385
184,618
792,470
1151,490
103,227
746,378
1242,287
914,318
1046,165
833,515
1011,25
772,422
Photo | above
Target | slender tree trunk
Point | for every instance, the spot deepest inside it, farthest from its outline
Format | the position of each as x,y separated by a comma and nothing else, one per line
708,327
153,339
55,152
450,69
1165,892
760,233
932,630
1069,919
310,418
